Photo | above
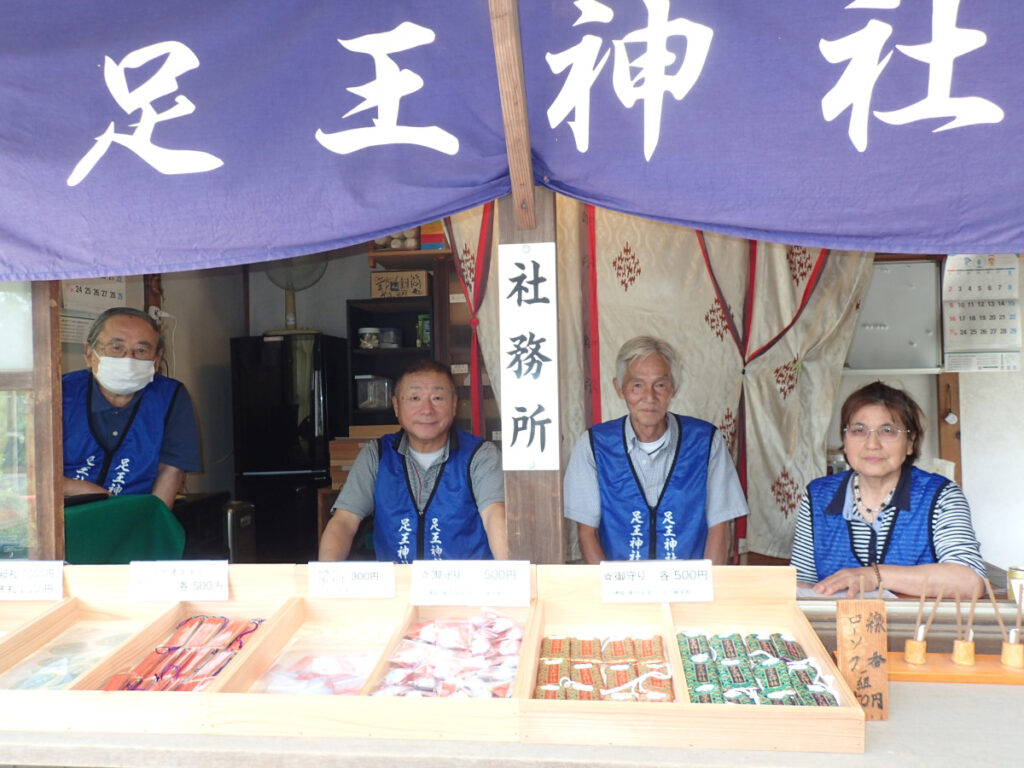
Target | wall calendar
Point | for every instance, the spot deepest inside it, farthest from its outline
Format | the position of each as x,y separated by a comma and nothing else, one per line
981,312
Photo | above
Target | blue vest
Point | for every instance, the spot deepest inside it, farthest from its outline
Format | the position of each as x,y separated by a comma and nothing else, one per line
132,466
450,528
910,535
676,528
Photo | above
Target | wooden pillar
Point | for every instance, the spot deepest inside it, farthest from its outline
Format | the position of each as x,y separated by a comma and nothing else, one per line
591,340
533,500
508,59
949,434
152,291
46,425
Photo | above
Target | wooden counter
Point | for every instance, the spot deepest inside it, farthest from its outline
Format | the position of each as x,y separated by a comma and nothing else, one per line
930,725
230,725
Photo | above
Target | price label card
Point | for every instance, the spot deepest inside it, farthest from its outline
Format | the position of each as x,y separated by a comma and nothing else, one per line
176,580
361,580
471,582
862,643
657,581
31,580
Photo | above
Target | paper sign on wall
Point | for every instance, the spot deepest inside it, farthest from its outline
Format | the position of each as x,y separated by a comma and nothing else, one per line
657,581
31,580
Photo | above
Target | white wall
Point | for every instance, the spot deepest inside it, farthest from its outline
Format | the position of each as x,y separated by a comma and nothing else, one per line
992,414
320,307
207,309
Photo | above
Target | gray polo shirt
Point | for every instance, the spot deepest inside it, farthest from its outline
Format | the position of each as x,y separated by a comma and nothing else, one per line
485,475
725,500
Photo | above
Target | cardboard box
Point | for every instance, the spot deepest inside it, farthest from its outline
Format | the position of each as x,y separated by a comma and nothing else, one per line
388,284
432,236
343,455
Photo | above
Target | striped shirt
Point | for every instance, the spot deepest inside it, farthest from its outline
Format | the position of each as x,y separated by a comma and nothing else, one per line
952,533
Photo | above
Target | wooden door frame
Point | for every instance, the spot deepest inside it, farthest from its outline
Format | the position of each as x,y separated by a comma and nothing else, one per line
42,385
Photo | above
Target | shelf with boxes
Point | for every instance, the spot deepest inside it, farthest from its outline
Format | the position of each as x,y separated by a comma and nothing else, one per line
419,247
355,647
389,333
400,322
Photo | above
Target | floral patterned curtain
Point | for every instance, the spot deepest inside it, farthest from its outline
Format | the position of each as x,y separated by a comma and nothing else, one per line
762,330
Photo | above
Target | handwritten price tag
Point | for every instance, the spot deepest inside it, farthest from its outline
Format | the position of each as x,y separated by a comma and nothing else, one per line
471,582
360,580
862,653
657,581
176,580
31,580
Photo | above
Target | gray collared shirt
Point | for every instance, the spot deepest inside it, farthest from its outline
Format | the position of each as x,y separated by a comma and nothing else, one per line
486,478
725,499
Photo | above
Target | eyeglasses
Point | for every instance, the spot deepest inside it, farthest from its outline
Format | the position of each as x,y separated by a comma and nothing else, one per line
887,433
120,349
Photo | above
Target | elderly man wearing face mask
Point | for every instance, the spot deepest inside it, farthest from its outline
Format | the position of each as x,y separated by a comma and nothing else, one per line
127,429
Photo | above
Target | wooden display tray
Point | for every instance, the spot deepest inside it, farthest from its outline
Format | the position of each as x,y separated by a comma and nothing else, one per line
568,601
279,594
939,668
62,616
747,599
15,613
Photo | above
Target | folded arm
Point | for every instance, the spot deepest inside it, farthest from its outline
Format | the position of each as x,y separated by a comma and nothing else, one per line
590,544
929,579
75,487
167,484
493,517
716,548
336,540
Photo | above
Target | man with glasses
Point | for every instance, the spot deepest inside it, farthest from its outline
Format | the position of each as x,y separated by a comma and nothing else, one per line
436,493
127,429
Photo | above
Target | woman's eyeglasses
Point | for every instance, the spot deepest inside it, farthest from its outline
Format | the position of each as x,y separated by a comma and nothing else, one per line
887,433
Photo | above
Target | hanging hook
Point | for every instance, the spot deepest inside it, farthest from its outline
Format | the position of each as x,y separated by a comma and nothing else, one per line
950,417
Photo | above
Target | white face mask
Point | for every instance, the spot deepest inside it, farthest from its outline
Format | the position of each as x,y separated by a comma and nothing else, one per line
124,375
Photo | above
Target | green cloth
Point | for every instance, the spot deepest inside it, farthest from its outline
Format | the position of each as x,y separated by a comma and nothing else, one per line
120,529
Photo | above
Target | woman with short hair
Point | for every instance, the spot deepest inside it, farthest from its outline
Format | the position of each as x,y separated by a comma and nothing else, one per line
886,521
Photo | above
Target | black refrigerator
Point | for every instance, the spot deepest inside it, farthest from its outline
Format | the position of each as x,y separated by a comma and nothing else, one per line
289,396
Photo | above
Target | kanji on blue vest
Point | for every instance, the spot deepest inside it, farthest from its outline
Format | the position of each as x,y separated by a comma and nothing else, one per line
676,528
910,536
450,528
132,466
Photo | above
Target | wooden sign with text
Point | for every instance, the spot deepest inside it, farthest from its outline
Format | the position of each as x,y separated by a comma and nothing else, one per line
862,654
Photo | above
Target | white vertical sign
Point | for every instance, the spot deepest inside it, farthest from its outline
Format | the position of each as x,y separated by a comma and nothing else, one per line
528,314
